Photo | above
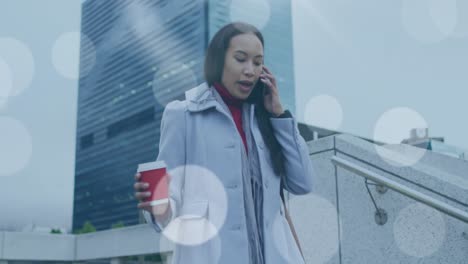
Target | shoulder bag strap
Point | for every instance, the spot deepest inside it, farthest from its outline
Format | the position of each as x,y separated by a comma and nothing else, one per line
288,218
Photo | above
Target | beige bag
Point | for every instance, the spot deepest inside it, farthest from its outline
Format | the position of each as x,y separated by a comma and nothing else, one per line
291,226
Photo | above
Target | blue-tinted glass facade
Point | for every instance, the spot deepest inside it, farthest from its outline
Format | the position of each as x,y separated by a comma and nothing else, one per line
119,110
148,52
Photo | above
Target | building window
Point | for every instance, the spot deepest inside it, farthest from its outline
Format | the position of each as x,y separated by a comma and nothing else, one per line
87,141
130,123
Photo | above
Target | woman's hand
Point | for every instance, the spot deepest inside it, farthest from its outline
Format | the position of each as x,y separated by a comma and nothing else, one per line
271,100
141,192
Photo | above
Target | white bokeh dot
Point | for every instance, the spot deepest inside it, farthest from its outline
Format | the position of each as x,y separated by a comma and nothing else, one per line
16,146
320,235
173,78
324,111
419,230
20,62
203,212
6,82
254,12
391,129
429,21
66,55
165,245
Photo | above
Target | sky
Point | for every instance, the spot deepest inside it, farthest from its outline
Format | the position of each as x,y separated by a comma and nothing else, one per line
38,119
378,68
371,68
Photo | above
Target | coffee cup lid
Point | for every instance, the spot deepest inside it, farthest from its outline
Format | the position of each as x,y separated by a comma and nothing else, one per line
151,165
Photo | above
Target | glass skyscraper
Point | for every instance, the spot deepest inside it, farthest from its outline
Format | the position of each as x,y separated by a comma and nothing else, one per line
147,53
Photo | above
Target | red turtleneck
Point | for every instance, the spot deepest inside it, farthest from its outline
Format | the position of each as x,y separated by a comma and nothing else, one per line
235,106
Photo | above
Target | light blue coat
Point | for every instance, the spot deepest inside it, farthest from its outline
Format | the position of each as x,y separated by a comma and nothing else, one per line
200,132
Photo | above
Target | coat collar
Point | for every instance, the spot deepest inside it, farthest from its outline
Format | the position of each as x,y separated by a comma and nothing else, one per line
200,98
203,97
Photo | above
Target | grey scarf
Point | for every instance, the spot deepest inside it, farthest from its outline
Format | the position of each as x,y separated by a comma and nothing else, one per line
252,186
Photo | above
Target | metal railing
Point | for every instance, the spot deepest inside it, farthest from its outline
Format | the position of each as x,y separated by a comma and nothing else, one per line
418,196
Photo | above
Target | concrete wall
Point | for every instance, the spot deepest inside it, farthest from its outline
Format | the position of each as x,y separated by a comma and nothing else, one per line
337,221
135,240
129,241
37,246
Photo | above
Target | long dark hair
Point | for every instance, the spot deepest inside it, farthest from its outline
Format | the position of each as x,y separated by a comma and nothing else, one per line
214,66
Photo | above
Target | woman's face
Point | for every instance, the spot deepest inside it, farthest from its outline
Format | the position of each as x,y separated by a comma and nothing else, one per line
243,65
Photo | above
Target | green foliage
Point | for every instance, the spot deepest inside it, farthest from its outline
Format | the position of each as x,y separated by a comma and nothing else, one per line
118,225
87,228
55,231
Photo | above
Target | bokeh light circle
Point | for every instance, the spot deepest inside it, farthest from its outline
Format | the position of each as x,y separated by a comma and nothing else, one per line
429,21
20,61
392,128
324,111
281,235
419,230
254,12
203,212
66,55
142,20
16,146
211,248
444,15
320,232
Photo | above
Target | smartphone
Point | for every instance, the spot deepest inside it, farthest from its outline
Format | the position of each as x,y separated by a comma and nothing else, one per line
265,89
258,92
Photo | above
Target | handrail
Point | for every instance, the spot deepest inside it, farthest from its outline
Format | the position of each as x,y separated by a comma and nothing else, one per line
418,196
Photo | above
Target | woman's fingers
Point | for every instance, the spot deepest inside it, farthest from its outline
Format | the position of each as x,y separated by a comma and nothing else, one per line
266,81
142,195
140,186
267,76
266,69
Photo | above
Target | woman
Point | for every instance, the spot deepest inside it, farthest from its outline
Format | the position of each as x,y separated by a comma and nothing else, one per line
234,126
